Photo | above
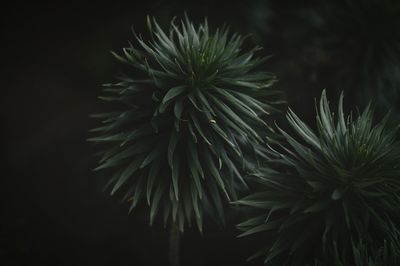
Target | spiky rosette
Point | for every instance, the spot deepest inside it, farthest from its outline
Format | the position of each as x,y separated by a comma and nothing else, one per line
335,187
187,121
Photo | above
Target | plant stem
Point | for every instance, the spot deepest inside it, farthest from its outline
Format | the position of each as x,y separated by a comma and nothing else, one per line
174,237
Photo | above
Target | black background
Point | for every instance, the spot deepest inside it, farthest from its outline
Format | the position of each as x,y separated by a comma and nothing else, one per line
54,58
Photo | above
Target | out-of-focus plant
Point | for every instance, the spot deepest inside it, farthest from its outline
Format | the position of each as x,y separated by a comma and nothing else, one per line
332,191
255,18
186,122
360,41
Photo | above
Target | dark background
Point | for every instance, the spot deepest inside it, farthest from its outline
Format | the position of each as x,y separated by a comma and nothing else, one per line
54,58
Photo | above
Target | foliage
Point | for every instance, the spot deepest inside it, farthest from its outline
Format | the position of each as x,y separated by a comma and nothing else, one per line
364,255
185,122
329,192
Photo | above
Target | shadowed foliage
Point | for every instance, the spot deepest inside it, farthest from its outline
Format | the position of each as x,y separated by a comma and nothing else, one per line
363,255
333,191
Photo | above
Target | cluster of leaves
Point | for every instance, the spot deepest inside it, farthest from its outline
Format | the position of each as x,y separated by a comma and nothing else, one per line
363,255
362,40
186,121
330,192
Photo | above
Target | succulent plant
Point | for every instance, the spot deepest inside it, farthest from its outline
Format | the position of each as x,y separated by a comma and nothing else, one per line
328,189
185,122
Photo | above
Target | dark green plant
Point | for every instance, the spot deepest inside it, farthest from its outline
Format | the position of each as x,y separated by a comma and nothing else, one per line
185,121
325,190
365,254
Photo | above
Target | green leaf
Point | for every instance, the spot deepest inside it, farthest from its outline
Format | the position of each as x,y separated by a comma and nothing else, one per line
173,142
132,167
336,194
155,203
153,172
173,92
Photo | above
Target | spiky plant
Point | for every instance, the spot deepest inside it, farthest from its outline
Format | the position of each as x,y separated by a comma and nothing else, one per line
330,188
363,255
185,121
361,40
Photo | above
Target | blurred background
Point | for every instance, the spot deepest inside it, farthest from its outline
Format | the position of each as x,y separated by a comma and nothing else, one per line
55,57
